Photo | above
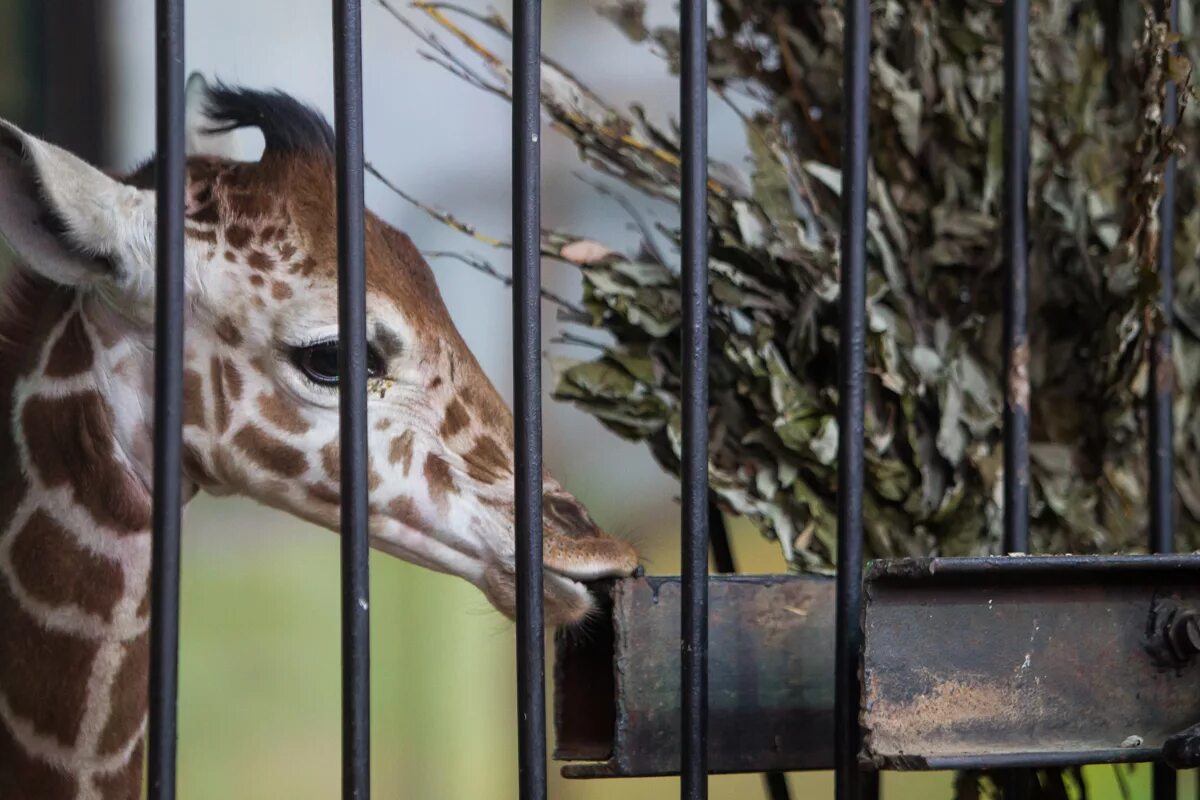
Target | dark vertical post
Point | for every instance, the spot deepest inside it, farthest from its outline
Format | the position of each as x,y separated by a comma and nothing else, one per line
73,62
352,400
1017,784
1162,384
527,431
693,101
851,352
1016,342
168,396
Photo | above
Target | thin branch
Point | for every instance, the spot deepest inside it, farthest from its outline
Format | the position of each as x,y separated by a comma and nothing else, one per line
444,217
567,337
638,220
574,312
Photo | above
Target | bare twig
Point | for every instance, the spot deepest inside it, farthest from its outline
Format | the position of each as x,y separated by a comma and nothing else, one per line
629,208
444,217
574,312
567,337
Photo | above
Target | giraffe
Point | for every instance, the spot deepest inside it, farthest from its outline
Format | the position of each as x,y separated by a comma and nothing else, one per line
260,418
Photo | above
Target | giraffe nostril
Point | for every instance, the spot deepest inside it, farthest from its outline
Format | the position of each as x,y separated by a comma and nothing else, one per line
570,516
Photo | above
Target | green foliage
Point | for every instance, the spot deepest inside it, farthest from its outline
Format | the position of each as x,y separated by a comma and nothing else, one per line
935,391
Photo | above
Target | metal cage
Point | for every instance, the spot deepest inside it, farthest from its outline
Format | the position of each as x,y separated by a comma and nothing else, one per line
851,781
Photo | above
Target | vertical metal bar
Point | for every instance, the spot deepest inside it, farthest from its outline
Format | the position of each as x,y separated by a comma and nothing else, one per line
1016,343
851,349
352,400
168,397
1162,383
527,432
774,783
693,101
1017,783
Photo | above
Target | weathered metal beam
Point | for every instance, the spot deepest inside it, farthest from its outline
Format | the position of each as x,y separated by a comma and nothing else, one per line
770,679
1031,661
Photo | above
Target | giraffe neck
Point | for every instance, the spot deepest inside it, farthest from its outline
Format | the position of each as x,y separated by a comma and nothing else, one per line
74,549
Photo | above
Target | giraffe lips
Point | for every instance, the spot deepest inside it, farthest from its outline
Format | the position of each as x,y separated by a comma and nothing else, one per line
591,560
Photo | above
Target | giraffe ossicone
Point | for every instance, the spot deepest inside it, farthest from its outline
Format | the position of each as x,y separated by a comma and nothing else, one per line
260,417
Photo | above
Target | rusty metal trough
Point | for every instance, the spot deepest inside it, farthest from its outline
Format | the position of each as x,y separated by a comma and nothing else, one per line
981,662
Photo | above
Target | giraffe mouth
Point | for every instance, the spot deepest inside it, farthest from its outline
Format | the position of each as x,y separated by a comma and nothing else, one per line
589,560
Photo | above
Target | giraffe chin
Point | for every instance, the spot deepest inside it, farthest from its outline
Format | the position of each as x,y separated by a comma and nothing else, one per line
567,601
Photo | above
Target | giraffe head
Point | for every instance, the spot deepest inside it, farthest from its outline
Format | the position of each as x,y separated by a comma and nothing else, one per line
261,400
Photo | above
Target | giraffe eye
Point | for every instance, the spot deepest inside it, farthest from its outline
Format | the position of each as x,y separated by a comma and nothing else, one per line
319,362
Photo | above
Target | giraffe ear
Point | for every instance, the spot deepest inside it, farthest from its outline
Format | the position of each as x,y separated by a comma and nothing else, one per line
205,136
67,220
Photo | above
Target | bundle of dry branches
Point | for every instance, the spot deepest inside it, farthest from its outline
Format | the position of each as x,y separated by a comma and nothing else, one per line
1099,69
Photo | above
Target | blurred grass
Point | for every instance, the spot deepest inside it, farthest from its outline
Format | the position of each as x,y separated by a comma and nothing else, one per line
260,686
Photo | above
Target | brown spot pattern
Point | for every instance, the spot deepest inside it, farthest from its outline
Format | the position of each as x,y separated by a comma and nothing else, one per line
51,699
206,214
331,461
487,461
270,453
70,440
401,450
193,398
22,775
238,236
228,332
456,419
280,290
233,379
404,510
55,569
282,414
439,478
128,692
202,235
260,261
126,781
194,467
220,400
72,351
306,266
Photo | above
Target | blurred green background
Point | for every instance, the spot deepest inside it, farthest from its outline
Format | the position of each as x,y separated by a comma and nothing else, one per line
260,687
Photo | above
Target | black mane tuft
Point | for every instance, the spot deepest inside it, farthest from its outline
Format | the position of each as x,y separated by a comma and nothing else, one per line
287,125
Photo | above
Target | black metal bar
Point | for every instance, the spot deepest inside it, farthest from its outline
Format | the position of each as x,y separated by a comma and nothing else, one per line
1162,386
168,397
693,100
851,348
774,783
1016,343
1162,382
352,400
1164,782
1017,784
527,432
